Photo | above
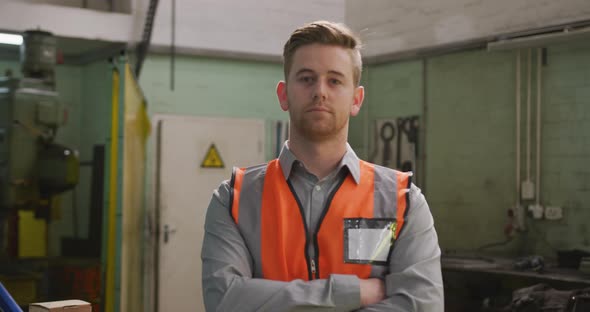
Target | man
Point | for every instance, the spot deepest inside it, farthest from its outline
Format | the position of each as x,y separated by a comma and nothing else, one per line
318,229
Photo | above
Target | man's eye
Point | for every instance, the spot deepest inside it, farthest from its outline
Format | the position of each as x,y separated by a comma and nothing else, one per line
335,81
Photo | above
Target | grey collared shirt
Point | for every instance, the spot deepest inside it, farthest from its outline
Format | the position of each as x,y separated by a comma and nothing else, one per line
414,282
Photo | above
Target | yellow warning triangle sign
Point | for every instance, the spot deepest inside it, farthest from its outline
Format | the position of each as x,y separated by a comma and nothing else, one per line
212,159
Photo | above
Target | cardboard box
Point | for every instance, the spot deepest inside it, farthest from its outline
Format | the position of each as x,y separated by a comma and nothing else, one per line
61,306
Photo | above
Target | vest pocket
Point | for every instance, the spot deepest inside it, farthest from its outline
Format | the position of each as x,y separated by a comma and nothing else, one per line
368,241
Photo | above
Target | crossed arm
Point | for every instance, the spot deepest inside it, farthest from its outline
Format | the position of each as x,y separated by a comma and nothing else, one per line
414,281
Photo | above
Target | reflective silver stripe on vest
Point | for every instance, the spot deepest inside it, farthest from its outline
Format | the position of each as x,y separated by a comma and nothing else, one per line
385,193
385,205
249,218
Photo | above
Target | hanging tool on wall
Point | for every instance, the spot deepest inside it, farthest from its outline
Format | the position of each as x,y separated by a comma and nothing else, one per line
387,133
409,127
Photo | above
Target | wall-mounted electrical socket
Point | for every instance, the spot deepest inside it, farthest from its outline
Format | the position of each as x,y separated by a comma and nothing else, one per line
537,211
527,190
553,213
519,217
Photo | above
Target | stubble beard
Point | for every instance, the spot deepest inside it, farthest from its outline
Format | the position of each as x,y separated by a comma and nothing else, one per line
317,128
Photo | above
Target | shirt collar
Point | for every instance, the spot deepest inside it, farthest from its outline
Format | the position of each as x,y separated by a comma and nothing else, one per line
350,160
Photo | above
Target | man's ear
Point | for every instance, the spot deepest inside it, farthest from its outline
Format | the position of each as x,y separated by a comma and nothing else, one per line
282,95
359,96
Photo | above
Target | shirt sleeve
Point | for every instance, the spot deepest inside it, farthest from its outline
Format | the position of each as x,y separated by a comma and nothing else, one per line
414,282
227,274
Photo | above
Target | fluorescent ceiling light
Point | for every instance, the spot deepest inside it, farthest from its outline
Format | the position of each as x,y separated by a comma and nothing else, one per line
11,39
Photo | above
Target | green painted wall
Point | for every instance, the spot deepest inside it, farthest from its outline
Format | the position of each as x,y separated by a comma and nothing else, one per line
9,65
96,84
566,148
470,146
391,90
214,88
470,142
69,87
86,91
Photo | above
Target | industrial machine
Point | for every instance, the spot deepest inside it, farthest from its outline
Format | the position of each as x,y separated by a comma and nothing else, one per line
33,167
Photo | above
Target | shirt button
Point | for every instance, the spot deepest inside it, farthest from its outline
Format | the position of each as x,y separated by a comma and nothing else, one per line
318,188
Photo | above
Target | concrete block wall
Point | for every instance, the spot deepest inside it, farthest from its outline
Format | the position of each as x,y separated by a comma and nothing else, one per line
470,143
565,179
391,90
470,146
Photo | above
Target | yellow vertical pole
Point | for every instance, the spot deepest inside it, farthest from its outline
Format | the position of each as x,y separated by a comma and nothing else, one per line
112,222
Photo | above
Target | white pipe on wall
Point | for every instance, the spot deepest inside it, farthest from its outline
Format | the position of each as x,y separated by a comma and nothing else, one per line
538,169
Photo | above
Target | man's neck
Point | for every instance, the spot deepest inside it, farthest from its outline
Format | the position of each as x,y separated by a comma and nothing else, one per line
319,158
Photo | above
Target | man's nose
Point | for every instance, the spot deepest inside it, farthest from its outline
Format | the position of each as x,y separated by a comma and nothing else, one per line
320,91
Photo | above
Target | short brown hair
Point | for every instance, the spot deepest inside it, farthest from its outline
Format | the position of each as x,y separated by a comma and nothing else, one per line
328,33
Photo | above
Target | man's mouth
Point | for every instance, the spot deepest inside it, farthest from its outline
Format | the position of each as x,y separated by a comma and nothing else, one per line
318,109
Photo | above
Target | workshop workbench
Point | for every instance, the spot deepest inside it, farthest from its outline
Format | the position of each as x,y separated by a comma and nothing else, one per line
471,281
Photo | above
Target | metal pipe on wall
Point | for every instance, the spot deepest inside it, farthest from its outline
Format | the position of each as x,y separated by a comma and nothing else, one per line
367,120
528,118
423,125
518,209
172,44
538,169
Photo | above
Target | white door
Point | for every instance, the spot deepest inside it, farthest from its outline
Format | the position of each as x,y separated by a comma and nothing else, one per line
185,189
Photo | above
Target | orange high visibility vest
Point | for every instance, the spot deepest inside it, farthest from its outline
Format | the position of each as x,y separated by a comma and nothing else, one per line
283,232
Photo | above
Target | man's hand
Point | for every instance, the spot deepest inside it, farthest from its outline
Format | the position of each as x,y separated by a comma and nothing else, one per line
372,291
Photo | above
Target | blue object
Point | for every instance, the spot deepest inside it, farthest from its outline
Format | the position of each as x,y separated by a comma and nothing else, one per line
7,304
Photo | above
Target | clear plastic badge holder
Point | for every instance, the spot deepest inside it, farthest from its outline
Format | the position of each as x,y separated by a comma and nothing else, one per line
368,241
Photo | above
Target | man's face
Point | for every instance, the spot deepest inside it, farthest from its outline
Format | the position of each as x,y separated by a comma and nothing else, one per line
320,94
